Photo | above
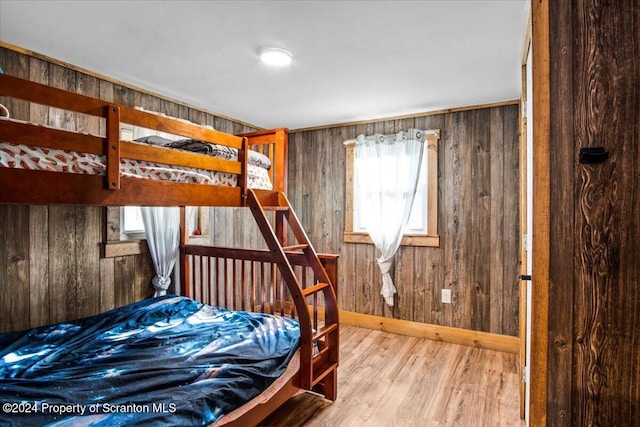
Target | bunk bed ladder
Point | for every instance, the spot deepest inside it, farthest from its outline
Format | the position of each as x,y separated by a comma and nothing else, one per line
318,342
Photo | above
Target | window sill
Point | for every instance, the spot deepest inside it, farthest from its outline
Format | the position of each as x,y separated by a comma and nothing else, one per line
124,248
407,240
139,246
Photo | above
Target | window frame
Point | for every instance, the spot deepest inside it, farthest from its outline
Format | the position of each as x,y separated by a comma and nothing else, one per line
431,239
115,245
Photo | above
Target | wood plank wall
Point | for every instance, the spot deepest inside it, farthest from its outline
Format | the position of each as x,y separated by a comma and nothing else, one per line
594,294
478,221
51,263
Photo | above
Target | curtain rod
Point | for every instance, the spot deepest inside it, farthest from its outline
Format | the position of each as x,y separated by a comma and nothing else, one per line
426,132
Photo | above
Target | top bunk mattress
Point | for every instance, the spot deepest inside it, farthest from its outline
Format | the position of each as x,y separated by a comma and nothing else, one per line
56,160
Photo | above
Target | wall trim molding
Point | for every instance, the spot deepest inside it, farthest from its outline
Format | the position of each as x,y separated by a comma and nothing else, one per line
412,115
484,340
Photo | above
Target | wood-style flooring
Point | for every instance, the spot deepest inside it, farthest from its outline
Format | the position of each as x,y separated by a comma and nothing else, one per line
386,379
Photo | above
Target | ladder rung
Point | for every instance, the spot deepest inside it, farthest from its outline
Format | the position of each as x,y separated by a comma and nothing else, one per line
325,330
315,288
295,247
275,208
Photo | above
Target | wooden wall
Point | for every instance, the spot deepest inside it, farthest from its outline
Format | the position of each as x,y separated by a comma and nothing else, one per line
51,263
594,293
478,221
53,269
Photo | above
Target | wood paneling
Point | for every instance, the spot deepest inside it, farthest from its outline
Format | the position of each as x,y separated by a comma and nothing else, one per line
561,194
478,221
51,265
14,267
594,314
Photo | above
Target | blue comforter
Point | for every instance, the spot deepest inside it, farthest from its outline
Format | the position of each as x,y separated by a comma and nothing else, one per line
163,361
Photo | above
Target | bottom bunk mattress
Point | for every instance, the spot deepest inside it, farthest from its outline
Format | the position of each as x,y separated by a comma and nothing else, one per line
162,361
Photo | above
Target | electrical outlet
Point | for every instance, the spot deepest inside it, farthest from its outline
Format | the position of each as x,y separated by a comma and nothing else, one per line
446,296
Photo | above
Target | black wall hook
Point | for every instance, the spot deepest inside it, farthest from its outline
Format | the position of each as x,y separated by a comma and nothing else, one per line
593,155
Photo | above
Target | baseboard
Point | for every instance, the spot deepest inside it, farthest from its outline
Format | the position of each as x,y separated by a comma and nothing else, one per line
489,341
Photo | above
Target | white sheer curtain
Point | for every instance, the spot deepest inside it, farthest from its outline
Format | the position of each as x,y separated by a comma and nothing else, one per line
162,228
387,170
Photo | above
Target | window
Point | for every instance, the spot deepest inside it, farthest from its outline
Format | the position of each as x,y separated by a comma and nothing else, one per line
423,222
118,243
131,226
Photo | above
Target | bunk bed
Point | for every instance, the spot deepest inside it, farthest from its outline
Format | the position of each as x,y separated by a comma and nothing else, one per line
286,284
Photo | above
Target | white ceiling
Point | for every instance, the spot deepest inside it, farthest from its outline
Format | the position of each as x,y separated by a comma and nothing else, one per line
353,60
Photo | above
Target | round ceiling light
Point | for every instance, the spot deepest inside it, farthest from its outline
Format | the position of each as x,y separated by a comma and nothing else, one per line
276,56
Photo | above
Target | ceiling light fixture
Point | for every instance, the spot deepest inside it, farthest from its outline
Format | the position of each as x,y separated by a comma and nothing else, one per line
276,56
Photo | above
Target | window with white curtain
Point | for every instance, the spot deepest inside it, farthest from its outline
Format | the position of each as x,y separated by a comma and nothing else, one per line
418,217
422,227
132,226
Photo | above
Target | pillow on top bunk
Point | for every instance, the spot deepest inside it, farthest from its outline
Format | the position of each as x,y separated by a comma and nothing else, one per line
154,140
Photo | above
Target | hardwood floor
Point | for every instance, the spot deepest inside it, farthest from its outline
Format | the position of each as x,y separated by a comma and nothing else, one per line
386,379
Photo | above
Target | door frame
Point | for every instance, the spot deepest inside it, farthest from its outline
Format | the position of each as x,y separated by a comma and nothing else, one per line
526,214
541,212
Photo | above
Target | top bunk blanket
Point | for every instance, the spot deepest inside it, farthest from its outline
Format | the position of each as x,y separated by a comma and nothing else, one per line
162,361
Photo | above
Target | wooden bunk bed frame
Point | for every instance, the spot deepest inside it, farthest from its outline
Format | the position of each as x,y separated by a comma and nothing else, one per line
288,278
